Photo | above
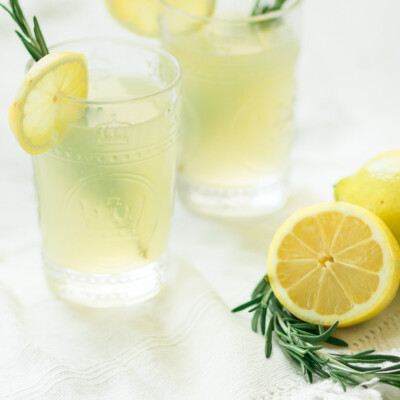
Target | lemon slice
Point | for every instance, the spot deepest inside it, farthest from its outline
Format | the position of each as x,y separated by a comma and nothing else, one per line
141,16
40,110
334,262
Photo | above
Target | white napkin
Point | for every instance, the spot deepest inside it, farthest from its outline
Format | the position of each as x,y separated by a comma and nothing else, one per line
183,344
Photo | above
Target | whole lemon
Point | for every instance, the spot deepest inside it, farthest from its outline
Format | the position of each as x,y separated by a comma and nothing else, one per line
376,187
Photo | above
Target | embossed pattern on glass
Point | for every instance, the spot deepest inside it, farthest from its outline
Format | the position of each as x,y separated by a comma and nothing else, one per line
106,187
238,94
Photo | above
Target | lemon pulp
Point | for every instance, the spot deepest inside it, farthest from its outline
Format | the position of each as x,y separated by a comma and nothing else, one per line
332,262
41,108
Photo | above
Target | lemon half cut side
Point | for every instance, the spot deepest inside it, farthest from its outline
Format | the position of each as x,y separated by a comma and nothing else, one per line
40,110
334,262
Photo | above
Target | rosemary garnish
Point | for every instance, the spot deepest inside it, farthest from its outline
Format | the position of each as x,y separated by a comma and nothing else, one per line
34,43
264,6
301,341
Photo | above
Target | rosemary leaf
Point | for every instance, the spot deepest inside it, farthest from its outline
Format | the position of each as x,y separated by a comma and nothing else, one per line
35,53
19,15
309,375
266,298
39,36
263,318
35,44
268,338
303,325
261,286
254,308
295,349
319,338
278,5
8,11
392,367
254,321
246,305
336,342
263,7
297,339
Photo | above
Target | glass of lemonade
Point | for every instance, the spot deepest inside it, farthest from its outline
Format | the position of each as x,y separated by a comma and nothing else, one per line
105,188
238,93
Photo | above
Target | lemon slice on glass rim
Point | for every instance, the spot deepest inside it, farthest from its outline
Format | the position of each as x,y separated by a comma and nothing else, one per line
334,262
41,110
141,16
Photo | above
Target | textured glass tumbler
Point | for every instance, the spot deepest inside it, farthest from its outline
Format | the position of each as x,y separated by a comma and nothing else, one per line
105,187
238,96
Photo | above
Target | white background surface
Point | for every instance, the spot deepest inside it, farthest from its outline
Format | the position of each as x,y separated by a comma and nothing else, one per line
347,111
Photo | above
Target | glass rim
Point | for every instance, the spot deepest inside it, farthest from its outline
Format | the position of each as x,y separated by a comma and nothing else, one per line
253,18
155,50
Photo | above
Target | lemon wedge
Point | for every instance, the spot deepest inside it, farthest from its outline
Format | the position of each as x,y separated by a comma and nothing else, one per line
40,110
141,16
334,262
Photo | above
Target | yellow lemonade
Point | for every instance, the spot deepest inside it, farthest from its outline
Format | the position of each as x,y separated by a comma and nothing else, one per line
238,119
238,93
105,189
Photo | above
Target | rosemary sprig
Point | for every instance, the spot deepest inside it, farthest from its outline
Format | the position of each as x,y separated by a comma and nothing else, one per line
34,43
301,341
264,6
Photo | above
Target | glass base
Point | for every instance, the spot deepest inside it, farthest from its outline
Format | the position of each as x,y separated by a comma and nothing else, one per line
221,202
106,290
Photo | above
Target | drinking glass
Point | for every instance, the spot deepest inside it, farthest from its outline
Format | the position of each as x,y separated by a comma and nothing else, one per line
105,187
238,93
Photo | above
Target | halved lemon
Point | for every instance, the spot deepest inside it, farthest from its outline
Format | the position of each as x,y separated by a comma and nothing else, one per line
40,110
141,16
334,262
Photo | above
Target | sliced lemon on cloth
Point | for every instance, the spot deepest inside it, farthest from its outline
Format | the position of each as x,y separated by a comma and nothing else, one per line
334,262
40,110
141,16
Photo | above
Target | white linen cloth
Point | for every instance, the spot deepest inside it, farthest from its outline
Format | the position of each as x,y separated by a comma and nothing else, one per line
185,343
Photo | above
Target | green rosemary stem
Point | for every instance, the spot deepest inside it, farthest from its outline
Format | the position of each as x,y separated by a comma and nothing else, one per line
302,342
278,5
263,6
33,42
